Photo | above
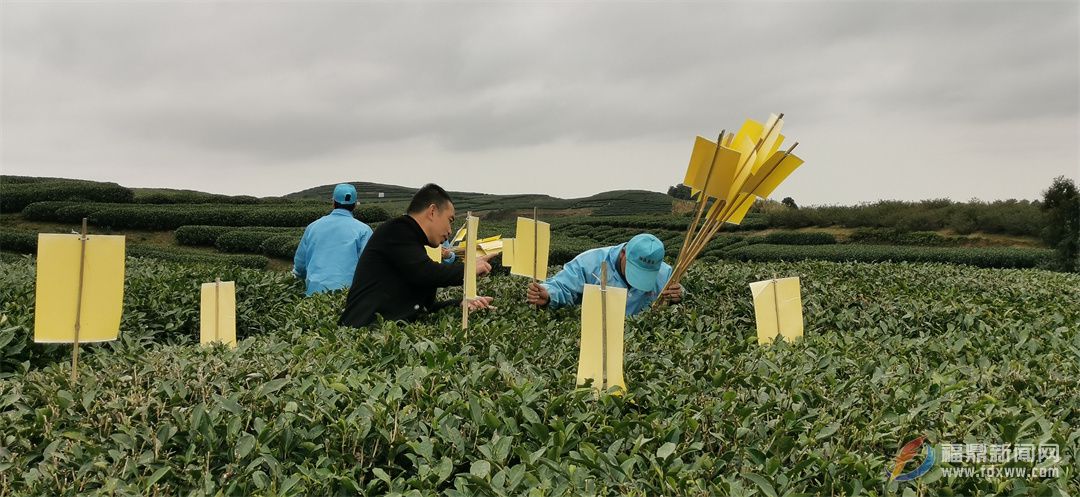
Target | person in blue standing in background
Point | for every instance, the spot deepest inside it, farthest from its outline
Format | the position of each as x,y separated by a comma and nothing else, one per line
637,265
331,246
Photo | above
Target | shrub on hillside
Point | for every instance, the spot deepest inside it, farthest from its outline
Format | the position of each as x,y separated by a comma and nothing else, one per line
14,197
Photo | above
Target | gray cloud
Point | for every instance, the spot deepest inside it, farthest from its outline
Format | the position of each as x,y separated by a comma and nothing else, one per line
286,85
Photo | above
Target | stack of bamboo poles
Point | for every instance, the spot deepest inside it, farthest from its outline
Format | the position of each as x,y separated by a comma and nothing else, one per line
727,177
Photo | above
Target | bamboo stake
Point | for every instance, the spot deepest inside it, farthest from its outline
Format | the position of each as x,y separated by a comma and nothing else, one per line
603,326
536,245
465,298
702,199
716,221
776,303
465,316
729,210
78,305
217,310
683,264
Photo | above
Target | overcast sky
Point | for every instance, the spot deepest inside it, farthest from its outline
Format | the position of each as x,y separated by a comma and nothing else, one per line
896,100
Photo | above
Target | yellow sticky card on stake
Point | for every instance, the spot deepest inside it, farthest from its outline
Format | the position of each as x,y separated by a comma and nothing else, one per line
770,141
750,131
217,314
771,174
471,225
742,205
434,253
459,236
777,309
725,163
57,288
531,246
489,248
508,253
745,148
595,352
699,163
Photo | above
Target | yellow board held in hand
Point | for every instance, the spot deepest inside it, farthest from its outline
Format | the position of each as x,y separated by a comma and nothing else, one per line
592,361
716,183
777,309
217,315
57,288
529,254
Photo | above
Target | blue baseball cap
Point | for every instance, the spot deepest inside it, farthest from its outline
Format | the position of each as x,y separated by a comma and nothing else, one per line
345,194
644,255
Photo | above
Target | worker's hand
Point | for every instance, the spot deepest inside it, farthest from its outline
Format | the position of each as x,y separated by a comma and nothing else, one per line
536,294
481,303
482,267
673,295
487,258
446,253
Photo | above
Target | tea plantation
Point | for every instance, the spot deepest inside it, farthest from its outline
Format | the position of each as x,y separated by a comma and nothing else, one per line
302,407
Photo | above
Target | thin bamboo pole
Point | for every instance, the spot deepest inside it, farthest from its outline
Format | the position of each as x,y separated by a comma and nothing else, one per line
536,245
603,326
217,309
470,251
716,221
776,303
703,198
78,305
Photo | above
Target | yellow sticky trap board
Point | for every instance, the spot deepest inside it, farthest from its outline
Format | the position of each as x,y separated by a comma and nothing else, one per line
747,156
435,253
490,247
777,309
57,288
770,141
725,162
699,163
459,236
526,254
771,174
508,253
742,205
591,360
750,131
217,315
471,224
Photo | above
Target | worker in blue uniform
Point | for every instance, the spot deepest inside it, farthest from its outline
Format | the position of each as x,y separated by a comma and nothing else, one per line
637,265
327,255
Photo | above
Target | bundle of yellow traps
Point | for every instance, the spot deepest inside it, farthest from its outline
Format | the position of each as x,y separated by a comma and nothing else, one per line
727,176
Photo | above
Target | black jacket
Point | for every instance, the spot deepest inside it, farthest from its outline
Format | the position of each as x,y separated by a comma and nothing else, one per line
395,277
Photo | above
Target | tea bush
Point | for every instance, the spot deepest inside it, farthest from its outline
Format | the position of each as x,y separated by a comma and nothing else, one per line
990,257
302,407
16,195
161,305
173,216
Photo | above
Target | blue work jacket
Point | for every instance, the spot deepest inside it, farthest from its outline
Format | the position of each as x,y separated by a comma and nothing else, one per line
567,287
329,250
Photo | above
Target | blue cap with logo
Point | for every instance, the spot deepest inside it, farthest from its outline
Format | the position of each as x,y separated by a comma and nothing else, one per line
644,255
345,194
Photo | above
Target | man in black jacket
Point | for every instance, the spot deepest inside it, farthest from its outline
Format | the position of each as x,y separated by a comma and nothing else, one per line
395,278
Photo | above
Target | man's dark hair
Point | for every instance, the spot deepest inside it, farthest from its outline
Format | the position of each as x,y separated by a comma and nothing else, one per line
427,195
348,207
